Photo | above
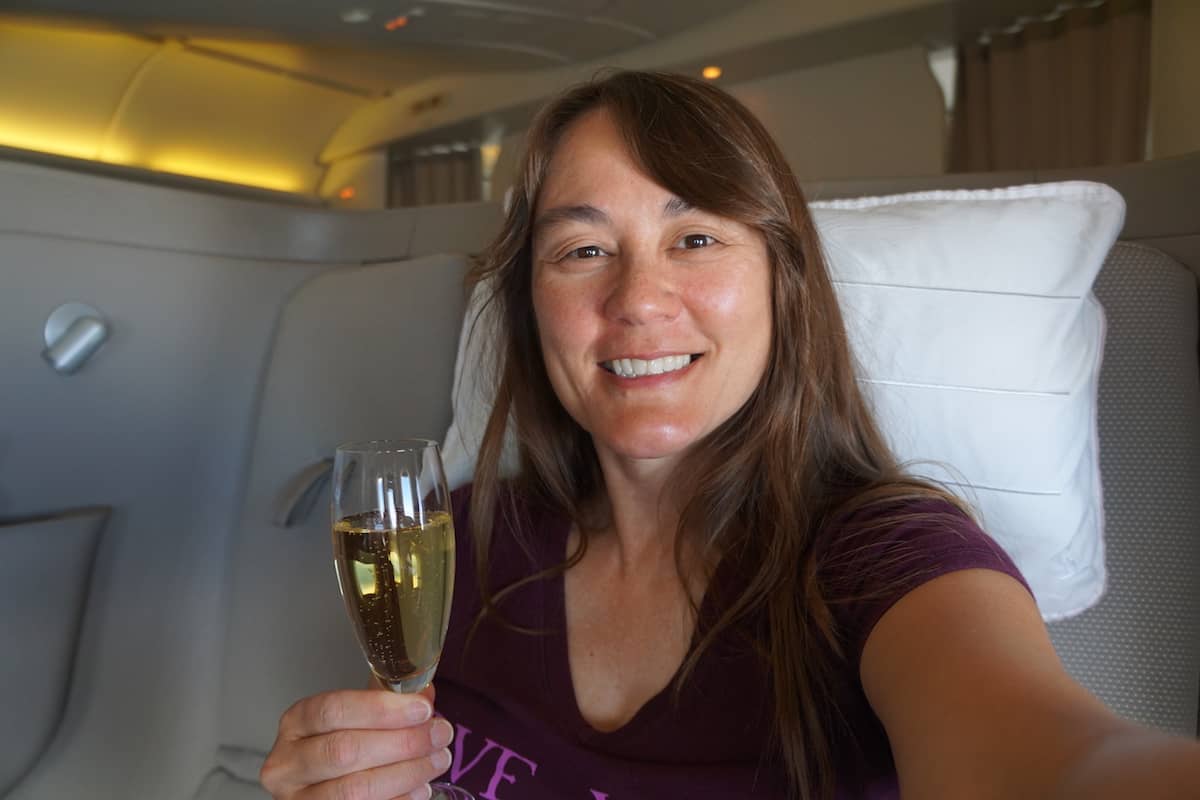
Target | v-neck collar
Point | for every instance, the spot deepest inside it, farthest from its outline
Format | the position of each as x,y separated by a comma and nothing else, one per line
556,658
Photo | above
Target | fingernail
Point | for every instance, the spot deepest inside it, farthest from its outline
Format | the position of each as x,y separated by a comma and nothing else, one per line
424,793
440,760
441,733
418,711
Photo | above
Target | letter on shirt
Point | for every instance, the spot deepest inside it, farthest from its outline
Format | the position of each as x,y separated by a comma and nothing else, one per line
458,769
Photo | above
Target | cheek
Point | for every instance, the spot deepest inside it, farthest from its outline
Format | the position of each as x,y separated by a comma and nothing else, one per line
561,330
548,315
739,313
740,304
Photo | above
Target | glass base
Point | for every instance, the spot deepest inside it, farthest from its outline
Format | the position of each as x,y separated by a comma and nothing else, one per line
410,685
444,791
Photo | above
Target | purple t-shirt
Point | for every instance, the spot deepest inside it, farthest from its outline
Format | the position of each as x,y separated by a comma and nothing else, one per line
519,734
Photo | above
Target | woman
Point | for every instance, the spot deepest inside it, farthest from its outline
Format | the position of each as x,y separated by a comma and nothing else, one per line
711,579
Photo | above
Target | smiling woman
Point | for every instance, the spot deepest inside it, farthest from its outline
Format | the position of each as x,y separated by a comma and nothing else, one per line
710,577
658,218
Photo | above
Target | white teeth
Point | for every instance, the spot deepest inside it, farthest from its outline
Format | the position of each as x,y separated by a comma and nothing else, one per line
636,367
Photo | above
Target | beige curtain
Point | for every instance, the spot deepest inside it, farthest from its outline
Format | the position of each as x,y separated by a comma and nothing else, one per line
453,177
1072,91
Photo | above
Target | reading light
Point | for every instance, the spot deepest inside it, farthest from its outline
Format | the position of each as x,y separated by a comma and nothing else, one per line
711,73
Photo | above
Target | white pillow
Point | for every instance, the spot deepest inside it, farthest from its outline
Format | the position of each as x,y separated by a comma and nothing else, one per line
979,342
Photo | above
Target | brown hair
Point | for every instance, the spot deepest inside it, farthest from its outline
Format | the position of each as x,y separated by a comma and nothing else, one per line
802,453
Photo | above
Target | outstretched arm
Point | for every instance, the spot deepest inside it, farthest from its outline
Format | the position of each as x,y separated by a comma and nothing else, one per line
976,704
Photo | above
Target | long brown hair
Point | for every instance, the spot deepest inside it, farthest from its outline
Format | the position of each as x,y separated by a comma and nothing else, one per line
804,450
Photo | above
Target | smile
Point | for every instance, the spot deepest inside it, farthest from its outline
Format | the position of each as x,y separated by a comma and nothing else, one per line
637,367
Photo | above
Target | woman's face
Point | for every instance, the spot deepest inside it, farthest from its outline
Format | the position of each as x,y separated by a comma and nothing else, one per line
654,317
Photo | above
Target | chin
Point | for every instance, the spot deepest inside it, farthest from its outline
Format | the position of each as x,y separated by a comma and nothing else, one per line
652,442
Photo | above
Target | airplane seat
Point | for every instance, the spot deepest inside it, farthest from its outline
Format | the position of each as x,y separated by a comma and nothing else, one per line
1137,649
359,353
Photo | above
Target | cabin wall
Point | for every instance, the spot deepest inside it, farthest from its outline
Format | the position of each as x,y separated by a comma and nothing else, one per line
156,425
1175,78
878,116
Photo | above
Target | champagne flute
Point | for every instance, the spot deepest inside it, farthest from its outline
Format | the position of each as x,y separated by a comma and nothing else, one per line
393,545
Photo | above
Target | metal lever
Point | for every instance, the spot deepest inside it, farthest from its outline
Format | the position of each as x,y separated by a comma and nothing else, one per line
298,498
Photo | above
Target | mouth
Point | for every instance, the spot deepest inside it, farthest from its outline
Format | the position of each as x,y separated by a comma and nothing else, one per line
639,368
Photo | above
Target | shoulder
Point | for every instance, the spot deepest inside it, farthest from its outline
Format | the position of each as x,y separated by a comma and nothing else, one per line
868,560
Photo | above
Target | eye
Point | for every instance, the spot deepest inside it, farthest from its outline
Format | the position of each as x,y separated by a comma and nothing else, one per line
587,251
694,241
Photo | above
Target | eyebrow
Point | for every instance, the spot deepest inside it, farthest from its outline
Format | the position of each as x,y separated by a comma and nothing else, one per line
561,214
589,214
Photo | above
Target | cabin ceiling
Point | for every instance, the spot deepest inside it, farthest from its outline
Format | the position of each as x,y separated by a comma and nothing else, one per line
364,56
346,44
266,93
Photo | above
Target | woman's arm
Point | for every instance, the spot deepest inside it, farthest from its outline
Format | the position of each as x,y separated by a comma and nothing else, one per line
977,705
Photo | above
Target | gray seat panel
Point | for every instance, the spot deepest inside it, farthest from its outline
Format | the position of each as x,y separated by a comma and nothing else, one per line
1139,648
358,354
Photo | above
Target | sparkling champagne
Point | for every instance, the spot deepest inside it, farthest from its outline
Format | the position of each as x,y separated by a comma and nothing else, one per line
397,582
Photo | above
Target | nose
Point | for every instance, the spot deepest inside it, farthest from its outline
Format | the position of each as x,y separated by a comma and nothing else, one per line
642,291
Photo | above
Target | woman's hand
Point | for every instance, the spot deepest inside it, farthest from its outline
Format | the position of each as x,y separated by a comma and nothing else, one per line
358,745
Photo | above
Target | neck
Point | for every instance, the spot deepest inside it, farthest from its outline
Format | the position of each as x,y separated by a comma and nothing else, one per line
644,512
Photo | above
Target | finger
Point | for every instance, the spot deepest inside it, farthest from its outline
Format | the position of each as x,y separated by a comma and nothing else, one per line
332,755
383,783
362,709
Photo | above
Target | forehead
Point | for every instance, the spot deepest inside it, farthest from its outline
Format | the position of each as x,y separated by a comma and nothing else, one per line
592,141
595,128
592,153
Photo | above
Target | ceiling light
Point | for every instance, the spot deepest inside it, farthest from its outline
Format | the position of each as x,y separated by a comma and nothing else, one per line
711,73
417,11
355,16
396,23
